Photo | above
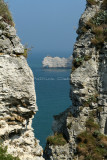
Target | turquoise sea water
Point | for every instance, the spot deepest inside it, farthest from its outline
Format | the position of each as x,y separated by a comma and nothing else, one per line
52,91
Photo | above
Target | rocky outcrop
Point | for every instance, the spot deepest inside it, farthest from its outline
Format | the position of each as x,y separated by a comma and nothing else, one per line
88,115
17,98
57,62
9,42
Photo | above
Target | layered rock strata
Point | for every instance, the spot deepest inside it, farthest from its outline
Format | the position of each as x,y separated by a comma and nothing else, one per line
88,114
17,98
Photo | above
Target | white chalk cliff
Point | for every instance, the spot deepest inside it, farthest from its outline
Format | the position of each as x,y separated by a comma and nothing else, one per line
84,125
17,97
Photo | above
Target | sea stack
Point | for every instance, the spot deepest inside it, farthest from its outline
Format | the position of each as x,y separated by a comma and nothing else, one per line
57,62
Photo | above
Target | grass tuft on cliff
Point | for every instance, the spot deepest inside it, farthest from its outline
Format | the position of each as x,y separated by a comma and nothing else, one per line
98,26
77,62
27,50
91,2
91,125
5,13
5,156
104,5
92,145
56,139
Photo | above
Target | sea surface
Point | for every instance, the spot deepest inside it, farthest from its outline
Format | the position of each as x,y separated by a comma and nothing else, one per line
52,91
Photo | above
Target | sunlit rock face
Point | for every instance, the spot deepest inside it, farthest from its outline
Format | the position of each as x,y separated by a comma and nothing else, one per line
88,92
17,98
57,62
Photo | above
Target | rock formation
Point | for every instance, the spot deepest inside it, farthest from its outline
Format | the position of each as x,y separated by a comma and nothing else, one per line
57,62
84,125
17,96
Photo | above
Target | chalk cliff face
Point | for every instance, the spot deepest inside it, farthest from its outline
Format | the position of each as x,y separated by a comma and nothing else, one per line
17,97
88,115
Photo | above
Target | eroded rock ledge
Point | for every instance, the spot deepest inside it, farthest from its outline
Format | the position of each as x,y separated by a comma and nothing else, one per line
17,97
84,125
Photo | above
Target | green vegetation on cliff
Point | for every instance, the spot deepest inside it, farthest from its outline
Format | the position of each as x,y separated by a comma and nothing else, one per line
56,139
77,62
92,145
98,26
104,5
5,156
91,2
27,50
5,13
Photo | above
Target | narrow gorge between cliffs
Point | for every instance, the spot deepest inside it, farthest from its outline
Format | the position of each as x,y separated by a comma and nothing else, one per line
34,99
52,90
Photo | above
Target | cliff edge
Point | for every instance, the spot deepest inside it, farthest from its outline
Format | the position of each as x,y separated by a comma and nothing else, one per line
80,133
17,94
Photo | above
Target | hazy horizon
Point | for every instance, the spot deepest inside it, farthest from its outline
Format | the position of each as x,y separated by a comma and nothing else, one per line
49,26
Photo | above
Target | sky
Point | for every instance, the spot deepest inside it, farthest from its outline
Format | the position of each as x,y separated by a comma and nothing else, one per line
49,26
